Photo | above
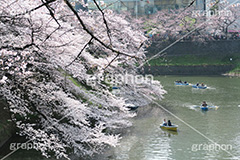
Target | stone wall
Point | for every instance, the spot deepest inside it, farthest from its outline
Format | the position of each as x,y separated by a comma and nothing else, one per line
188,70
220,48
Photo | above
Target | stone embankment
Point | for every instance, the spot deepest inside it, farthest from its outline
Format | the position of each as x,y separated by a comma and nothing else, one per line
188,70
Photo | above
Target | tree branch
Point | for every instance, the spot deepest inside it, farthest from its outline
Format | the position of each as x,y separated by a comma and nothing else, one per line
105,22
92,35
51,12
111,61
40,6
17,48
48,36
80,52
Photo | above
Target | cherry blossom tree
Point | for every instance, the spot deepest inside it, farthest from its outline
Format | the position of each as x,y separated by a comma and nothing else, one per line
197,25
48,54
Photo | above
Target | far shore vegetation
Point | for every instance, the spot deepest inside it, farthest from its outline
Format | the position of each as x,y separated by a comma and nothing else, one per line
196,60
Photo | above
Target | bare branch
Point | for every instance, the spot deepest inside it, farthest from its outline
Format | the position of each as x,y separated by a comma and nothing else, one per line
92,35
48,36
80,52
188,6
111,61
105,22
110,4
62,45
40,6
51,12
11,3
17,48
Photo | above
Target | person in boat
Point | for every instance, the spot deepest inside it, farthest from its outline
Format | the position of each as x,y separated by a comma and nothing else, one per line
202,85
204,104
164,122
197,84
185,82
169,123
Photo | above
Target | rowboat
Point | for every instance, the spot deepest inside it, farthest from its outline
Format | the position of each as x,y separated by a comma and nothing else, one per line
204,108
132,107
199,87
209,108
115,87
171,128
181,84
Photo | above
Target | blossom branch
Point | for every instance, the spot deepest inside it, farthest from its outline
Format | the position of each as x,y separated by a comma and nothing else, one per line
92,35
111,61
51,12
104,20
80,52
36,8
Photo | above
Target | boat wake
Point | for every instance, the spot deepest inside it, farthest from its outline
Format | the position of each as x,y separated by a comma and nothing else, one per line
212,88
196,107
193,107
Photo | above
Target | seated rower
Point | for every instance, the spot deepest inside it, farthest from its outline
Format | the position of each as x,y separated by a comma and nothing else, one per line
164,122
169,123
204,104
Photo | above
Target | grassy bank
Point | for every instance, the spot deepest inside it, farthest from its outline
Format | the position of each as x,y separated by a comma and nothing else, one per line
236,70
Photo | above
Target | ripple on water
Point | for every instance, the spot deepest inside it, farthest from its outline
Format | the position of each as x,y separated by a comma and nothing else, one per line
211,88
158,147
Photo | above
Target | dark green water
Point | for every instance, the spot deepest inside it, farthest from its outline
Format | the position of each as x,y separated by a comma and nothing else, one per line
146,141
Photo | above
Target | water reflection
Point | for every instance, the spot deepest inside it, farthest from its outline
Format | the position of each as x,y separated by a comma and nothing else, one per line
169,133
